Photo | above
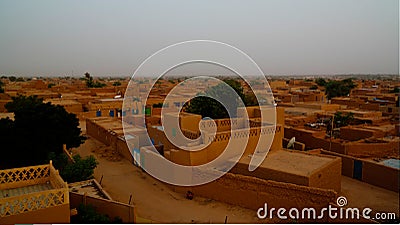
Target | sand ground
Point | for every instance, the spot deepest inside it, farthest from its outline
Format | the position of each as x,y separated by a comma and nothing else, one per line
361,195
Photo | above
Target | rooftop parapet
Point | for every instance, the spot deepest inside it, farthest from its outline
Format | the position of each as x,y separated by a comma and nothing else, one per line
31,188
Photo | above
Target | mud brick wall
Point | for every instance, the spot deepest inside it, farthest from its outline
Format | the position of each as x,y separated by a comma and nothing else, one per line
369,172
252,193
104,206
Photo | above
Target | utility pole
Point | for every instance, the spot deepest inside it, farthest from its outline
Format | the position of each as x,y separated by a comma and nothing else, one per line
330,142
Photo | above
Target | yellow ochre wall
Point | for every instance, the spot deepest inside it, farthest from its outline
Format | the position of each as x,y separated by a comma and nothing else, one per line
55,214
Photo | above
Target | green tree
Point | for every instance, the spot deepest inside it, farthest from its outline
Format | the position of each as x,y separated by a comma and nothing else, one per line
81,169
342,120
88,214
117,83
206,107
209,107
320,81
90,83
38,129
395,90
236,86
1,87
59,160
12,78
335,88
158,105
250,99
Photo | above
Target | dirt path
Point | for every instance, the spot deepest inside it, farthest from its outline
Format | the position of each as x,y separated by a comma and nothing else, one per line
154,200
360,194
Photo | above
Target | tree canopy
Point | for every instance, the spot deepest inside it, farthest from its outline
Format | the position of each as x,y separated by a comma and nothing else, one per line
12,78
395,90
334,88
88,214
117,83
90,83
209,107
320,81
1,87
81,169
342,120
37,129
158,105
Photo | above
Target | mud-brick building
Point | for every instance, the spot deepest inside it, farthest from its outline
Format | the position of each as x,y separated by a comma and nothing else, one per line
70,106
35,194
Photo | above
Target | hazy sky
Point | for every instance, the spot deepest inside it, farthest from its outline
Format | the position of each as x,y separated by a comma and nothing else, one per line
54,38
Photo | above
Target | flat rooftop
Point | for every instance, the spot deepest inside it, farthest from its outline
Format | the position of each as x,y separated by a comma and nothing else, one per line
301,110
90,187
12,192
63,101
136,129
111,99
384,127
394,163
108,123
292,162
